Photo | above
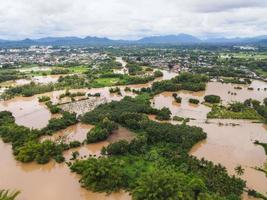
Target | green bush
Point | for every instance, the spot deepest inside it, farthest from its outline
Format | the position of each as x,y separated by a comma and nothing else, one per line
212,99
193,101
43,98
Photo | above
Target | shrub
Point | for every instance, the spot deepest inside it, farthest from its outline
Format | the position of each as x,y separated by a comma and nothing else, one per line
212,99
193,101
43,98
164,114
158,73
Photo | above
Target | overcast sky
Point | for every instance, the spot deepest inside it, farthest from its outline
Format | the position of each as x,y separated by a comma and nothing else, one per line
131,19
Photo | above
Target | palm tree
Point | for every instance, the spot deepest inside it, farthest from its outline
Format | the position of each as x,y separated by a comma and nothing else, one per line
7,195
239,170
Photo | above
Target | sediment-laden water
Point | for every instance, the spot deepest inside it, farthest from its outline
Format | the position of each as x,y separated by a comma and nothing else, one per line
226,143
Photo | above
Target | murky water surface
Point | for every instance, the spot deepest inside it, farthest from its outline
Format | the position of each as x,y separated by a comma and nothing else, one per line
226,144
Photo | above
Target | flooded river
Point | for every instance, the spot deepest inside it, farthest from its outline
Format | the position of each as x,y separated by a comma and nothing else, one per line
226,144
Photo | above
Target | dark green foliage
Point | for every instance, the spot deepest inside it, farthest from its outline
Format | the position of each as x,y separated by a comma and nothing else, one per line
109,65
193,101
237,107
233,111
188,77
215,177
164,114
100,175
250,109
177,118
256,194
69,94
165,85
135,147
9,74
128,80
97,134
39,152
53,108
66,120
115,90
265,101
237,81
111,75
101,131
6,117
133,69
59,71
185,81
8,195
220,71
75,155
160,152
43,98
127,89
94,95
192,82
114,110
128,112
158,73
25,142
162,184
74,144
27,90
117,148
72,81
212,99
177,99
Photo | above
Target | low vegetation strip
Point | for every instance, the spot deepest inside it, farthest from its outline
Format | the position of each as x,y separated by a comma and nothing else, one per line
221,112
249,109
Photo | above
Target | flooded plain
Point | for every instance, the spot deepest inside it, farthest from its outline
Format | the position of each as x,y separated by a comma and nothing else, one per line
229,142
53,181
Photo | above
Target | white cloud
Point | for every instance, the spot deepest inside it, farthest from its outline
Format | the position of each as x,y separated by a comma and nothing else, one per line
131,18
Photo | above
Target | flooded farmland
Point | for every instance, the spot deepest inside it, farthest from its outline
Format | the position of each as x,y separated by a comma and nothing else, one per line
226,143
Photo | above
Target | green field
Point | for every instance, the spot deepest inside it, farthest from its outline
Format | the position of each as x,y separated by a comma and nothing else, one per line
105,82
220,112
78,69
246,55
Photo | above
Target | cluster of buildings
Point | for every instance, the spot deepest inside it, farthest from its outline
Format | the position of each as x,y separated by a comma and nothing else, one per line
174,62
47,56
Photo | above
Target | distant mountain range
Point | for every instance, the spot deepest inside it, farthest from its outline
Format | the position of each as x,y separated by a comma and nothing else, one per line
167,39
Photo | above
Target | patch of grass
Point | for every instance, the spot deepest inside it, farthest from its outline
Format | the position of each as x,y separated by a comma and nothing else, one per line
261,72
105,82
221,112
78,69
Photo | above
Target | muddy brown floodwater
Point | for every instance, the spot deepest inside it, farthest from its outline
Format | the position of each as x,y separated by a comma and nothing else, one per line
37,79
54,181
226,144
232,146
27,111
